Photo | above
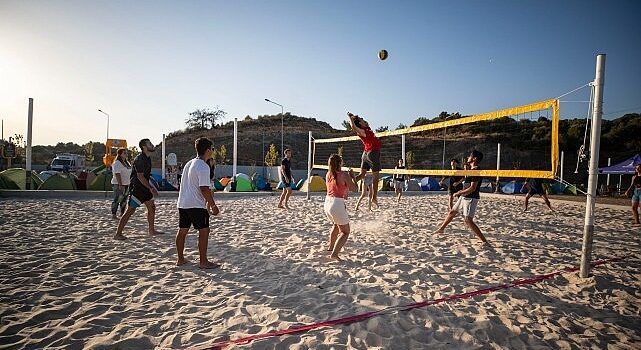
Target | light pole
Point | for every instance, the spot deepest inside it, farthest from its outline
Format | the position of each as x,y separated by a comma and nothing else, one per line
282,114
101,111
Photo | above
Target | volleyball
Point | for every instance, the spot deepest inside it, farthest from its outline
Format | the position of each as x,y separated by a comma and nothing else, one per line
382,55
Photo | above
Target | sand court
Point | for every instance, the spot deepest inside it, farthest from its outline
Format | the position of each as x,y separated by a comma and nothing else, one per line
67,284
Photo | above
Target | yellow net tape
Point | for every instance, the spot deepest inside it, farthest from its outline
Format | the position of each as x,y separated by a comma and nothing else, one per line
552,103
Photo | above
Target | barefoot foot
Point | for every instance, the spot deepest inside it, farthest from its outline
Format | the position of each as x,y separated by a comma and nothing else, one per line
181,262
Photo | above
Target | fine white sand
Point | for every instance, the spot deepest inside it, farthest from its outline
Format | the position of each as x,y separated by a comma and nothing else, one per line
66,284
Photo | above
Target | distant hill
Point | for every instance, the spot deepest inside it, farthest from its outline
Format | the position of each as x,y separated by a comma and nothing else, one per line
522,142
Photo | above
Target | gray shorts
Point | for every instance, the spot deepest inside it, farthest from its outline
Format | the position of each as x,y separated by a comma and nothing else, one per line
398,185
371,161
467,206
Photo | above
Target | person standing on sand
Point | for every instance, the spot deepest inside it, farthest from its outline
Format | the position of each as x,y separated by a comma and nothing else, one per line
339,183
141,191
371,158
121,170
286,177
399,181
456,182
195,203
635,190
468,199
535,186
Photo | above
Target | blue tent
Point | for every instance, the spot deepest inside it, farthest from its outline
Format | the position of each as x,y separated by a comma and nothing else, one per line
261,183
558,188
430,184
512,187
300,183
625,167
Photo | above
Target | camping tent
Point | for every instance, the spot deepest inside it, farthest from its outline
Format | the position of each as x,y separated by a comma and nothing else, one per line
385,183
430,184
60,181
224,181
243,184
218,186
316,184
571,189
412,185
512,187
16,178
102,182
262,184
46,174
625,167
558,188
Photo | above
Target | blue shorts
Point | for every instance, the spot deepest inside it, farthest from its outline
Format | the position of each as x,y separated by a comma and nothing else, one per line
636,195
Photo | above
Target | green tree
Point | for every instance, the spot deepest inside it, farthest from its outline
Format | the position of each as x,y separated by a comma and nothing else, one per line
271,156
222,154
347,125
205,118
133,152
401,126
409,159
382,128
339,151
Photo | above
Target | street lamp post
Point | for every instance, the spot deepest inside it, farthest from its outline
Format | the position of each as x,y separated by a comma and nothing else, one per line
101,111
282,114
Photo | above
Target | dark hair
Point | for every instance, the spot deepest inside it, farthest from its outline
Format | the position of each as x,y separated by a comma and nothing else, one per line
454,160
357,122
477,154
202,145
122,160
286,150
143,143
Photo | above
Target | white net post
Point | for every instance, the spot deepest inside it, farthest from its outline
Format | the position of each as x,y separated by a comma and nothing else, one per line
607,181
498,164
309,162
403,148
164,157
597,111
29,133
235,160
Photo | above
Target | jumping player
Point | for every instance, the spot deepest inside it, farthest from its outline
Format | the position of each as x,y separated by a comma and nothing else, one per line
371,158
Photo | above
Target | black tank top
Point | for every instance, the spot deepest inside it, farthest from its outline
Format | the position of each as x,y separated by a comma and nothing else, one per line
637,181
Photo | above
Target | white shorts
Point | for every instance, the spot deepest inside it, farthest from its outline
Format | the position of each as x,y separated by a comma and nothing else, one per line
466,205
336,210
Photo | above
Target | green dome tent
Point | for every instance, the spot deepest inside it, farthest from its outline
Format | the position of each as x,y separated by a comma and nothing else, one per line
102,182
16,178
60,181
243,184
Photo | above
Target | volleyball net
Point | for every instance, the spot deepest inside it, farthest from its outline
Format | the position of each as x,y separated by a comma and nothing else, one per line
517,142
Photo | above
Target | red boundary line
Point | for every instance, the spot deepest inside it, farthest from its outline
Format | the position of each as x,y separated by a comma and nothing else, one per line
364,316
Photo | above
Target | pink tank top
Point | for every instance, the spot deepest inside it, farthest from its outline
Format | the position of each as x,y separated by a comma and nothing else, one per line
334,189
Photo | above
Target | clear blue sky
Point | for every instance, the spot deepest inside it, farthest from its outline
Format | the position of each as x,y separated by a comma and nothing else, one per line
149,63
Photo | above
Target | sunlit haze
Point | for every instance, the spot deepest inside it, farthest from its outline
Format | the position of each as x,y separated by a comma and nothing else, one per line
149,63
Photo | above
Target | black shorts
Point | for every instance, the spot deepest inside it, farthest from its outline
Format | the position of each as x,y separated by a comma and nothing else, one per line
198,217
537,189
371,160
138,196
454,189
